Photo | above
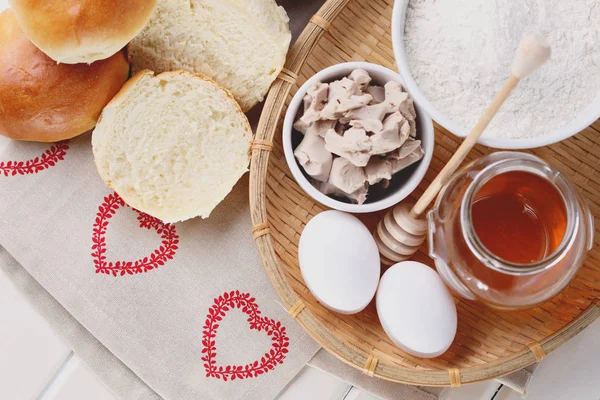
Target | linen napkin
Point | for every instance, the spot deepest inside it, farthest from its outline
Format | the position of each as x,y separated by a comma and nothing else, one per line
151,307
43,211
186,307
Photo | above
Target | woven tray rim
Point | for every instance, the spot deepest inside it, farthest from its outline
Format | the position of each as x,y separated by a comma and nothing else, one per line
370,365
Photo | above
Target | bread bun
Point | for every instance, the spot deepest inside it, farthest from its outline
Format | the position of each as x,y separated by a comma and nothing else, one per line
78,31
241,45
172,145
46,102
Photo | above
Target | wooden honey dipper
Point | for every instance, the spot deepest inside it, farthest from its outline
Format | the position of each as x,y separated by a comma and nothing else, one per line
402,231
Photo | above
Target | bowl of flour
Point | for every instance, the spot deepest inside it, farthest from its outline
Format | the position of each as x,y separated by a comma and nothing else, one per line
455,55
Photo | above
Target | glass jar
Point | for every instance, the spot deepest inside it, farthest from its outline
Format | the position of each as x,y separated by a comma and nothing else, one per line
475,273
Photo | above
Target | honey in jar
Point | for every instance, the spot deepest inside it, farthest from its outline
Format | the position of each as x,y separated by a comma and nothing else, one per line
508,230
519,216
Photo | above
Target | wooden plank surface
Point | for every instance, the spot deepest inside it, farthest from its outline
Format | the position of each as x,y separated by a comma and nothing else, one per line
76,381
30,352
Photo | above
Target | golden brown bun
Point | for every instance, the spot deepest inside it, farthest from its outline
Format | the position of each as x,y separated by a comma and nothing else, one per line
43,101
82,31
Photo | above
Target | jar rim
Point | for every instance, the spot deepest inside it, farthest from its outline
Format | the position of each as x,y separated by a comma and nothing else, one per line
541,169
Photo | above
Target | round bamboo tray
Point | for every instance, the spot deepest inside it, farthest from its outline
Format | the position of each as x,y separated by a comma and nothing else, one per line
489,343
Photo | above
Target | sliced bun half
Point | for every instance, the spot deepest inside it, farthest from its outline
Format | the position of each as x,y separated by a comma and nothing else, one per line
81,31
43,101
240,44
172,145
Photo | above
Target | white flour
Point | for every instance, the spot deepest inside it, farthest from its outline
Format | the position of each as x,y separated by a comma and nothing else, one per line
460,53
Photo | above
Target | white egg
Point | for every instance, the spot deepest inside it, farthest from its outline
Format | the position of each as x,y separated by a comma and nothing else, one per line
339,261
416,309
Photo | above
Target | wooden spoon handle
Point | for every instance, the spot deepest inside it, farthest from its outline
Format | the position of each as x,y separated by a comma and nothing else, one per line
532,53
466,146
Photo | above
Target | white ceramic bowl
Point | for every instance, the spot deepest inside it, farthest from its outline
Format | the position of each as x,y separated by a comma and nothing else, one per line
402,183
583,120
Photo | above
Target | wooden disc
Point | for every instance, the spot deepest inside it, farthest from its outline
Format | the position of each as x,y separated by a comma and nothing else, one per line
402,216
387,253
393,244
400,234
386,262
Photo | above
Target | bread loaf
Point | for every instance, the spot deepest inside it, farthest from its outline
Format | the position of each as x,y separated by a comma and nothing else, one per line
240,44
81,31
43,101
172,145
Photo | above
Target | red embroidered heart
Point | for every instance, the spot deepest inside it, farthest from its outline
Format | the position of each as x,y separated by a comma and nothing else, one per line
49,158
161,255
273,357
